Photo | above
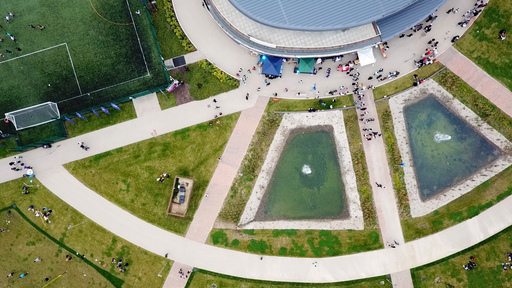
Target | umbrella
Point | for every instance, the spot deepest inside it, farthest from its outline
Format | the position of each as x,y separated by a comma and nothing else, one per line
80,116
115,106
95,113
67,119
104,110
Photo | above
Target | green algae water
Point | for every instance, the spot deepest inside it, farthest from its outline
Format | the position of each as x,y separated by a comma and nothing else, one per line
445,149
307,180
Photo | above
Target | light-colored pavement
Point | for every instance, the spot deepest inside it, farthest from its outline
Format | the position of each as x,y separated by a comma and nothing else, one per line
378,170
190,58
491,89
206,35
229,262
220,183
229,56
229,163
129,132
146,105
178,276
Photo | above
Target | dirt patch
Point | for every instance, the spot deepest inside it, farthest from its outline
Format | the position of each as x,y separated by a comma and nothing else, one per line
182,94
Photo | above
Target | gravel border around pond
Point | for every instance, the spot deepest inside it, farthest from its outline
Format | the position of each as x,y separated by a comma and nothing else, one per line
430,87
307,120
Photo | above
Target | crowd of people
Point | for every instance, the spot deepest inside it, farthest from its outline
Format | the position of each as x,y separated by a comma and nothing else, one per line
45,214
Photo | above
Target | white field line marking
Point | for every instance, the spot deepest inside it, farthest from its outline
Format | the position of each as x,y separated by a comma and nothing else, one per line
73,66
32,53
137,34
87,94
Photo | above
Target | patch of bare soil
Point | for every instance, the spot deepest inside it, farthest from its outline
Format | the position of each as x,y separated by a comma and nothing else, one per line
182,94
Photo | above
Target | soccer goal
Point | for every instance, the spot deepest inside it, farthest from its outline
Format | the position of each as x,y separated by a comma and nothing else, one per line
34,116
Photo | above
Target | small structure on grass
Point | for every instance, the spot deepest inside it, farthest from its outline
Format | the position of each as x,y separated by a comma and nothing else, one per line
180,198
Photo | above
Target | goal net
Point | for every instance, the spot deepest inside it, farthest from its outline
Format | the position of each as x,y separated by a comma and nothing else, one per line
34,115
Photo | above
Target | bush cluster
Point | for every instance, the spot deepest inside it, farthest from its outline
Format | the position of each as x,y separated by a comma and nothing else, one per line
223,77
171,19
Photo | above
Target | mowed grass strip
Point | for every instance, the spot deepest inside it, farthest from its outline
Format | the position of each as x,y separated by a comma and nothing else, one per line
94,122
482,44
489,254
293,105
394,158
85,237
297,243
486,194
405,81
202,278
127,176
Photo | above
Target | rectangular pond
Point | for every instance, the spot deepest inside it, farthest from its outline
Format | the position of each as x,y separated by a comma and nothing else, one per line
445,149
307,182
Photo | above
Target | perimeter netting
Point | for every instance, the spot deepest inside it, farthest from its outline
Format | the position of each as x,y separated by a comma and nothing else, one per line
34,115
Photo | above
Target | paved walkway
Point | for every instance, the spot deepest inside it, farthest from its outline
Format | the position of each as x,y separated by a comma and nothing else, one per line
342,268
129,132
226,54
383,197
468,71
206,35
146,105
221,181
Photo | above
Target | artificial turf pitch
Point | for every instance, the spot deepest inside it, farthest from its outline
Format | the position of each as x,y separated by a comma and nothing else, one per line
89,53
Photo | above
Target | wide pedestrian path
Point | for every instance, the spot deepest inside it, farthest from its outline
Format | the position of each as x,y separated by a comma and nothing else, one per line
142,128
220,183
342,268
383,196
477,78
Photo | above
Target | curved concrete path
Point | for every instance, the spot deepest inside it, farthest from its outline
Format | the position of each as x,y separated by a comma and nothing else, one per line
224,261
386,261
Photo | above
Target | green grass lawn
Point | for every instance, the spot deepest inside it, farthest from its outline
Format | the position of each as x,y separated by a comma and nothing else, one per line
304,105
78,53
94,123
6,145
127,176
203,84
483,196
297,243
405,81
489,255
206,279
166,101
23,243
170,45
482,45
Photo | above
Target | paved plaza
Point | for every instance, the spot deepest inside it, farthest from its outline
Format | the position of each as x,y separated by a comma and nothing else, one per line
213,44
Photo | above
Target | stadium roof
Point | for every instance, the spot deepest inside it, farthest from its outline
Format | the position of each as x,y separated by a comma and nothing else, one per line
318,15
398,22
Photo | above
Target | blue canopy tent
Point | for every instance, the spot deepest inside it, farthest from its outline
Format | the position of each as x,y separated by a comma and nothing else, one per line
272,65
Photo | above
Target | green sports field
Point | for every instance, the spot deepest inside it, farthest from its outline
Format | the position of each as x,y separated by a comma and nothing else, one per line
90,52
